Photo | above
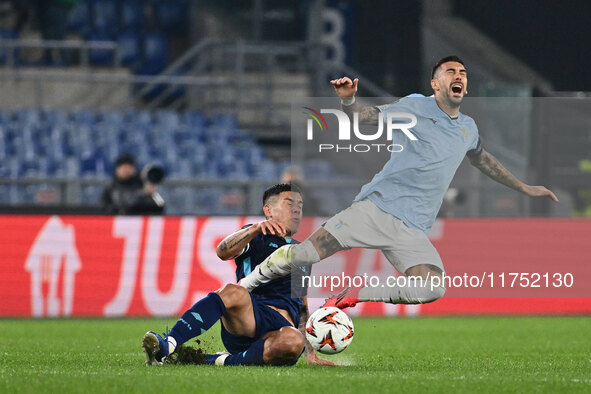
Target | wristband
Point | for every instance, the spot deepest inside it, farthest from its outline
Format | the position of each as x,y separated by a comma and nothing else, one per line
348,101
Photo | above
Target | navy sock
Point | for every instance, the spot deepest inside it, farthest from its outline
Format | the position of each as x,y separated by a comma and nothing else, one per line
198,319
252,356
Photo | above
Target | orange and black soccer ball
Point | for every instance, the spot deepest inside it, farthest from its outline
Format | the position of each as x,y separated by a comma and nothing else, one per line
329,330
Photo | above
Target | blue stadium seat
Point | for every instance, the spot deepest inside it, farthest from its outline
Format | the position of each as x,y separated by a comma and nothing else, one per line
54,143
54,117
132,15
195,120
85,117
155,53
100,57
112,117
80,17
130,45
167,120
226,121
6,35
142,118
105,15
172,15
265,170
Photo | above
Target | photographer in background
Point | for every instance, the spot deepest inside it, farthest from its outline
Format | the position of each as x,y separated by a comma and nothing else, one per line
133,194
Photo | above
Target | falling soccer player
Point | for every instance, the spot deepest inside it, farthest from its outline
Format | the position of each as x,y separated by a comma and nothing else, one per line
260,328
394,211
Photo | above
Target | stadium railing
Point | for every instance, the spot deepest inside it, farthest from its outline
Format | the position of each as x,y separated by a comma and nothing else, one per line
10,49
183,196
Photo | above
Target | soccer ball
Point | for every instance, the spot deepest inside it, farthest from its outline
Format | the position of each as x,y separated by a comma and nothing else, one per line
329,330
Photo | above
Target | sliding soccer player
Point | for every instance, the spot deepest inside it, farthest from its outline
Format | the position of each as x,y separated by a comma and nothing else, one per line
396,209
260,328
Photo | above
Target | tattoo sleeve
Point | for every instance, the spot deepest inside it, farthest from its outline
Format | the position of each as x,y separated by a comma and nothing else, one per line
235,243
367,115
325,243
491,167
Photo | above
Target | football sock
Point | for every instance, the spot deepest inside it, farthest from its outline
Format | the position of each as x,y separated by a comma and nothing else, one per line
252,356
198,319
410,291
281,263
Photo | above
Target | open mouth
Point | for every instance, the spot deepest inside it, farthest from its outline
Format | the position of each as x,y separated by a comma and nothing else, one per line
457,88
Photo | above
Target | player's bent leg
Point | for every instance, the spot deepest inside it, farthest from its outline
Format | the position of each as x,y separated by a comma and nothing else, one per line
325,243
279,347
423,283
239,316
284,346
318,246
232,303
194,322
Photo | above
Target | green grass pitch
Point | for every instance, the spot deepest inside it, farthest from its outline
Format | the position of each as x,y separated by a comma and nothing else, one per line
430,355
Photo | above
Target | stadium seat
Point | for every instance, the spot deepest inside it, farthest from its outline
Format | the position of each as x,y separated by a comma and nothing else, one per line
226,121
83,143
80,18
130,47
172,15
6,35
155,53
105,15
100,57
195,120
132,15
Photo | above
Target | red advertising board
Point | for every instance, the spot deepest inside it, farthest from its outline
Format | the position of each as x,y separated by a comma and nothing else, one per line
142,266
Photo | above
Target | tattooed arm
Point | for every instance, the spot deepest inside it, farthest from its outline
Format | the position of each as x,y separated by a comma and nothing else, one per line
491,167
346,89
311,356
367,115
234,244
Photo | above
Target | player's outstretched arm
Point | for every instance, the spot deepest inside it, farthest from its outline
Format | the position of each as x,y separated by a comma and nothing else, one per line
346,89
311,356
490,166
233,245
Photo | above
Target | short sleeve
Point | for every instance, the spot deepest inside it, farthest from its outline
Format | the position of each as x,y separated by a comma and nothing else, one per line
475,148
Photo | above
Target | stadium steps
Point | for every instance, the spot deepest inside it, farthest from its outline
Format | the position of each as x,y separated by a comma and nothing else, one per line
265,108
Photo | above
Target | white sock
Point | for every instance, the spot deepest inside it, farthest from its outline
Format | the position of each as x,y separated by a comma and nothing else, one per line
221,359
171,345
280,263
410,291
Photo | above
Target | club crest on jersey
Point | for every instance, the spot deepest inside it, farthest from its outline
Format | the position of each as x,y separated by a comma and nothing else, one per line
466,132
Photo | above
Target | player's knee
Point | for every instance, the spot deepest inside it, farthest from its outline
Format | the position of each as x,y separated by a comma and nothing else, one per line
233,295
285,347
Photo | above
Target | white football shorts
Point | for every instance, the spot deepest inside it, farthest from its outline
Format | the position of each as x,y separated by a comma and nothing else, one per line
364,225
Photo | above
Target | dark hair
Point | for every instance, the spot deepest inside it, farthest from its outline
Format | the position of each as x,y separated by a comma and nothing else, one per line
125,158
278,189
445,60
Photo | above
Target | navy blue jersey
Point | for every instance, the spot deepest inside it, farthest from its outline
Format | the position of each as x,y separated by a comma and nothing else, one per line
278,292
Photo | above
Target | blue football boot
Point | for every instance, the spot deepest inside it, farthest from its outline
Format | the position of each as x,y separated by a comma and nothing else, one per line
156,348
